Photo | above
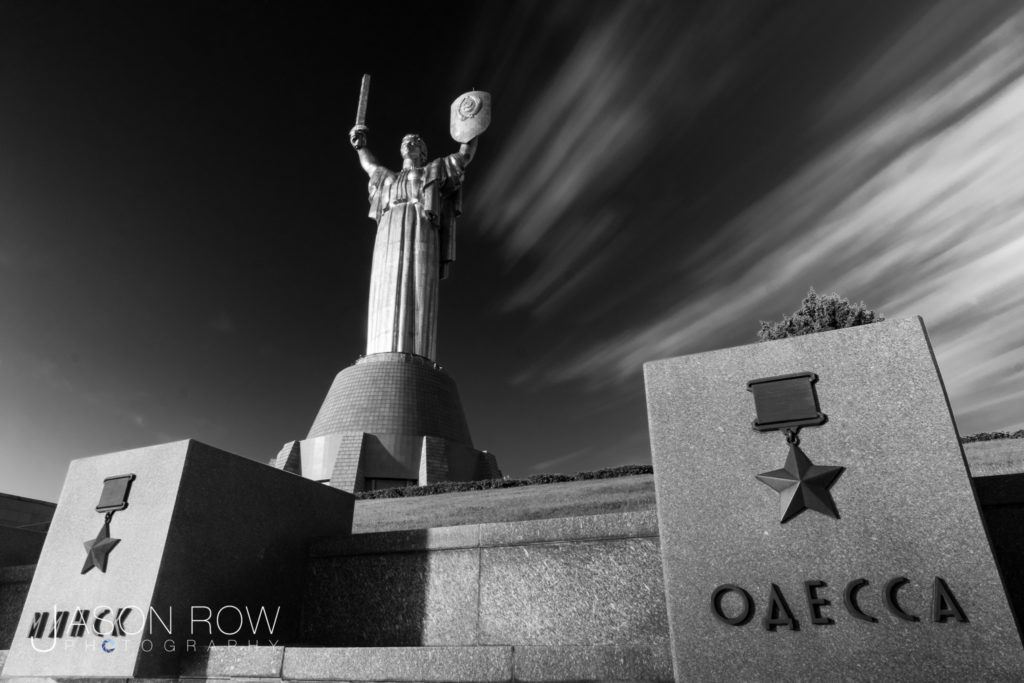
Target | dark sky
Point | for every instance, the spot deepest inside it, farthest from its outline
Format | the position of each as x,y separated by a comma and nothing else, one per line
185,250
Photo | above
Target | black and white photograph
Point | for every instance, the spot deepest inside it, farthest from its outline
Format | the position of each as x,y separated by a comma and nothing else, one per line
578,340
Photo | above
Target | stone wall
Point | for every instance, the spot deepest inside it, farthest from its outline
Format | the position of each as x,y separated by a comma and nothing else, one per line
20,546
20,512
577,581
14,583
1002,502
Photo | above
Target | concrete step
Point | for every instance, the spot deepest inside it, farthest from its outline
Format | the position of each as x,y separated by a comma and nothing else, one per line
482,663
448,663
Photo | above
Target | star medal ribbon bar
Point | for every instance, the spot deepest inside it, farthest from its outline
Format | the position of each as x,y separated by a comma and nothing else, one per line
113,499
787,403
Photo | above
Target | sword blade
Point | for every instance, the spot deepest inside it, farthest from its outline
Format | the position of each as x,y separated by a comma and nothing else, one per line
364,98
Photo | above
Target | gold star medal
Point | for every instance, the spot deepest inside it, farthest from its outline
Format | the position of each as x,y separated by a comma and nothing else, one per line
113,498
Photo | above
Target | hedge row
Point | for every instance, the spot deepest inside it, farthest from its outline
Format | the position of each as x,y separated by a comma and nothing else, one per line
457,486
993,436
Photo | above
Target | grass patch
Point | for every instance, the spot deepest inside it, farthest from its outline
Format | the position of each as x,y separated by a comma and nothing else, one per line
485,484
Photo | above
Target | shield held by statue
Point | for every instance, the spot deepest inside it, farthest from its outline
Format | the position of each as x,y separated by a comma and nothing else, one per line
471,115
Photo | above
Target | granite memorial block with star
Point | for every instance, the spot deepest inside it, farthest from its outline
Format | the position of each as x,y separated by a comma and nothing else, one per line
157,552
817,518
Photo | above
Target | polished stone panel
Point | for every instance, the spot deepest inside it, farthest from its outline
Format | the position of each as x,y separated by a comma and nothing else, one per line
581,593
906,510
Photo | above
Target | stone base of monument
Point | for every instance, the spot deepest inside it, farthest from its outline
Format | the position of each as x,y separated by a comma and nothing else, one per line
157,550
540,583
849,548
569,598
391,419
576,598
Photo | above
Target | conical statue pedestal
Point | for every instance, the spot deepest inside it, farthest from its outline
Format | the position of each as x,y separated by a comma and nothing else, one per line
391,419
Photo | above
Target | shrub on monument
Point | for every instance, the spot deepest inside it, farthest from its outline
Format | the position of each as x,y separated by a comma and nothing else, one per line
819,313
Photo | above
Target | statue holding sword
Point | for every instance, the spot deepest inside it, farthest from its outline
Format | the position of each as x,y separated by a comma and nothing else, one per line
415,209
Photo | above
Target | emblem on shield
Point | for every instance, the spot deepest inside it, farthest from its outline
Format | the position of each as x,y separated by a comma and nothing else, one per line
471,115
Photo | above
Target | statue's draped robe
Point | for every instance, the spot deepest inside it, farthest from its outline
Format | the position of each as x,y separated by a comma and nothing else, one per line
415,210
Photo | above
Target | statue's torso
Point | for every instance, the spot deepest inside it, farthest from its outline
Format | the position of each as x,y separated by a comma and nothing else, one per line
405,186
415,211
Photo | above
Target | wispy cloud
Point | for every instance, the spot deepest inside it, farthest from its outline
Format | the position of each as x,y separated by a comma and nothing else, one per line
546,465
920,211
591,128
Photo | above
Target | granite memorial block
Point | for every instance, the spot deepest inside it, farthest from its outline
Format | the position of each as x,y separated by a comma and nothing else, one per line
817,517
161,551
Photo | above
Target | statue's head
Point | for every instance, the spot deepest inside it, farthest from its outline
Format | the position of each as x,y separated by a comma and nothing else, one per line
414,149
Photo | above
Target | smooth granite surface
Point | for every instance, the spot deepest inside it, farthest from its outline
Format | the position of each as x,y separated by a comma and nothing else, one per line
206,534
905,503
399,664
587,593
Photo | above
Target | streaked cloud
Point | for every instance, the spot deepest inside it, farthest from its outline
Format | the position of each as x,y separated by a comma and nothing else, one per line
919,211
577,456
590,129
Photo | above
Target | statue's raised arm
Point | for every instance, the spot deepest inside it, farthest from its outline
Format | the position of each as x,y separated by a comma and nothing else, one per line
357,138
